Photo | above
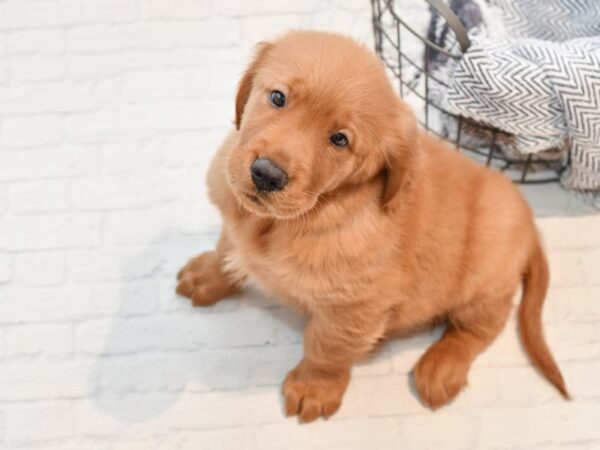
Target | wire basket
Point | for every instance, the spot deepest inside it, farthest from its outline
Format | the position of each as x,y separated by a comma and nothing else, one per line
390,32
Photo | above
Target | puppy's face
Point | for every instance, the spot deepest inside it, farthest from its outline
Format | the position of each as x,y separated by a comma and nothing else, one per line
315,113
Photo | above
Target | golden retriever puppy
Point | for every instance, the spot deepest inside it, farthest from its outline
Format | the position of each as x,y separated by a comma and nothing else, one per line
335,202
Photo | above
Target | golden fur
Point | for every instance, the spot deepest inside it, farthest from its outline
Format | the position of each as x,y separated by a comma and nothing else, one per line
385,237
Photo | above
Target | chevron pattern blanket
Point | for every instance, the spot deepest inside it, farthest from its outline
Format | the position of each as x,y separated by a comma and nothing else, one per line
535,74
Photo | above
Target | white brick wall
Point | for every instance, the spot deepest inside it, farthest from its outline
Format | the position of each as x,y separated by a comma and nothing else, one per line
110,111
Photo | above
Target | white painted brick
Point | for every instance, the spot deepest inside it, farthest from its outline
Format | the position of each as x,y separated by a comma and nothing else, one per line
39,196
72,161
570,232
45,305
133,298
193,148
574,341
189,34
4,72
387,395
57,231
576,304
6,267
566,268
165,84
32,131
40,269
591,264
110,10
44,380
555,423
45,339
582,379
91,266
120,336
214,439
40,422
44,41
266,7
265,28
49,97
38,13
444,429
181,9
38,68
129,160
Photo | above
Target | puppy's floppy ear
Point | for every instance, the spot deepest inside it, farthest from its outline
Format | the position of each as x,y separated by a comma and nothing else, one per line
401,151
245,86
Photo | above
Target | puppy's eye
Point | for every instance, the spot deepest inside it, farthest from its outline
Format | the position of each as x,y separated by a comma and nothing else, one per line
339,139
278,99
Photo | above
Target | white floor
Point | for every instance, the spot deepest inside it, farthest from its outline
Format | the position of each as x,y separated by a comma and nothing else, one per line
109,114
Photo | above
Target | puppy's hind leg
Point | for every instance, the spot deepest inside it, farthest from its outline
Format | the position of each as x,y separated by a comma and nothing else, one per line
204,278
441,373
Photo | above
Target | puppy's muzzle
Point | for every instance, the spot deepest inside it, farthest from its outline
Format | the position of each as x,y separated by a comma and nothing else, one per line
267,176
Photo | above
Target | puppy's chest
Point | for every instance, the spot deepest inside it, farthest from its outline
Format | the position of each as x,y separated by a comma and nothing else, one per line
306,268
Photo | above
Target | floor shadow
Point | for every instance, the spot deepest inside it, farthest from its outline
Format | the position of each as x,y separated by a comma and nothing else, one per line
159,346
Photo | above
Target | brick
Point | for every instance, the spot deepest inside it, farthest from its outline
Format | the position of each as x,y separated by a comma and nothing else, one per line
591,263
38,422
3,198
452,430
265,27
130,299
45,304
39,196
100,265
576,304
49,97
165,84
44,380
74,161
38,68
40,269
198,371
570,232
6,267
183,9
41,41
213,439
555,423
581,378
157,36
387,395
265,7
193,331
32,131
38,13
4,72
128,160
565,268
58,231
45,340
110,10
574,341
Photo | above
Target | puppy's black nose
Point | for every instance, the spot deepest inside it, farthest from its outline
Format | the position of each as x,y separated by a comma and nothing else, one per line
267,176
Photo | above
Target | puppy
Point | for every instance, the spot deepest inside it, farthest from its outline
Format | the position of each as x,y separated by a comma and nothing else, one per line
333,201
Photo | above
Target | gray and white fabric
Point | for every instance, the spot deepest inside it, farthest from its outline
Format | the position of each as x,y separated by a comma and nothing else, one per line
534,74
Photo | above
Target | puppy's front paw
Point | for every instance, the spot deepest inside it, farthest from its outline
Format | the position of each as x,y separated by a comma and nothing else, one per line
203,281
439,376
310,393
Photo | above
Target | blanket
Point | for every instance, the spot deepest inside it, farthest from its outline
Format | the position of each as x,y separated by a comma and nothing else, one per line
532,70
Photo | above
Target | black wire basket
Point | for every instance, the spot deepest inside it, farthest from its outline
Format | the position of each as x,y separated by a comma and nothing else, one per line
390,33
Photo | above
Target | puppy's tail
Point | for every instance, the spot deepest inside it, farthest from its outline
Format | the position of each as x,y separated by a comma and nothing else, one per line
535,286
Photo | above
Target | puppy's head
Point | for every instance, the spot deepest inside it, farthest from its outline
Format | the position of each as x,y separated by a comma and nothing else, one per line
315,113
